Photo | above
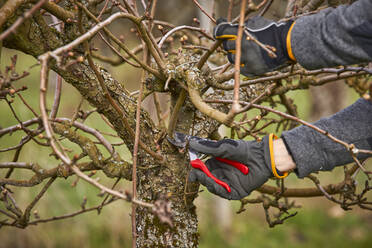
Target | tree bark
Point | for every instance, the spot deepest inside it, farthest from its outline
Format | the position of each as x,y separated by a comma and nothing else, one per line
155,179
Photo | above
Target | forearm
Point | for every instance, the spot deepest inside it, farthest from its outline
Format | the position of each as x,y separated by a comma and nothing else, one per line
332,37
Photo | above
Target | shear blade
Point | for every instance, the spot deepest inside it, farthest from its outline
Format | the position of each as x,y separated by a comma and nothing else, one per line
179,139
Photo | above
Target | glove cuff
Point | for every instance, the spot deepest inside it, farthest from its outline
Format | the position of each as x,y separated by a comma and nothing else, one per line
288,43
279,37
269,156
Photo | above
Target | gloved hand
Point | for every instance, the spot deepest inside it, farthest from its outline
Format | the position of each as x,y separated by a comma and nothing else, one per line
256,155
254,59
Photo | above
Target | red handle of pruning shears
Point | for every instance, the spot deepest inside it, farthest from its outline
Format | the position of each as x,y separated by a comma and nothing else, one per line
242,167
198,164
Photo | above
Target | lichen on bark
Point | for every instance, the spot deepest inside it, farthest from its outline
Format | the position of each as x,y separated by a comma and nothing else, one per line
155,179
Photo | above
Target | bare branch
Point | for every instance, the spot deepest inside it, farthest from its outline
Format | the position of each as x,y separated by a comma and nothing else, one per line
110,191
57,97
66,216
235,107
20,20
170,32
26,215
205,12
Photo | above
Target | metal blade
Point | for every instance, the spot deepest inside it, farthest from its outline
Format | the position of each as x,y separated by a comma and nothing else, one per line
193,154
179,139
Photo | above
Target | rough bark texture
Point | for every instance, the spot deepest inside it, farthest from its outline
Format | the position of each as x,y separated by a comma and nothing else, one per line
155,180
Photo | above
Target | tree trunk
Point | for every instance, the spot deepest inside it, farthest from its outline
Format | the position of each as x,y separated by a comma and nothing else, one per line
155,180
167,180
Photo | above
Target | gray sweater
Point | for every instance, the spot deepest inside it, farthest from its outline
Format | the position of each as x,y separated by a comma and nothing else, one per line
339,36
312,151
332,37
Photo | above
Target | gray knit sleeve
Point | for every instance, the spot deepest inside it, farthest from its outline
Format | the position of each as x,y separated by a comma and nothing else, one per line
313,151
334,36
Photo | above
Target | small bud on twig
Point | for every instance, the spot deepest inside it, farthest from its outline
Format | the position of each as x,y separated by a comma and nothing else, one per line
84,203
36,214
80,59
196,21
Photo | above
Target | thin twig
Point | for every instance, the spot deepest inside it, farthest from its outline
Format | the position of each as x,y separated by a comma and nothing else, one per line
129,8
238,43
66,216
124,59
266,92
339,74
102,82
26,104
110,191
150,41
349,147
8,214
152,14
19,126
229,10
208,53
42,102
113,37
89,34
57,97
263,46
320,187
107,196
135,152
89,130
205,12
103,10
170,32
267,6
26,215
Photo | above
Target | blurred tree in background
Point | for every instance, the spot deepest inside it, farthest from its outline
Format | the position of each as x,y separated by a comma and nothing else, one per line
89,90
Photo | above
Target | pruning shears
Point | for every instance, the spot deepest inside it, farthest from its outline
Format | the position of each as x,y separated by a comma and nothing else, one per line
181,140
